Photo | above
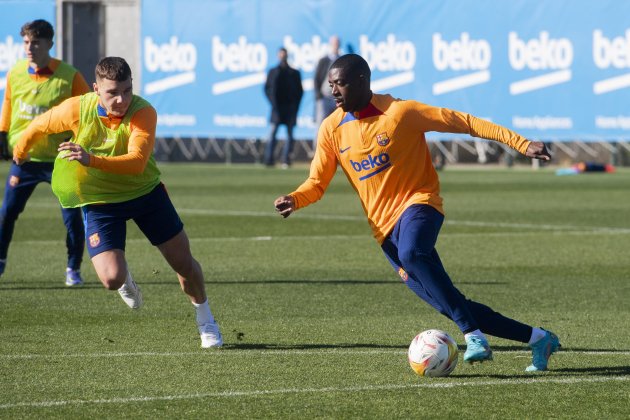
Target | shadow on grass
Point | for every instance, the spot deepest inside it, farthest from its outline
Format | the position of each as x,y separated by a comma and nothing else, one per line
14,285
264,346
318,282
315,346
563,373
599,370
35,286
393,281
590,350
524,347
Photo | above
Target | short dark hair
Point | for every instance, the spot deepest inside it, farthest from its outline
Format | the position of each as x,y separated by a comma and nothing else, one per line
113,68
352,65
38,29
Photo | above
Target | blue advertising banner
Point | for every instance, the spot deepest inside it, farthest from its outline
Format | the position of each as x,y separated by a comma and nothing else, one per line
13,14
550,70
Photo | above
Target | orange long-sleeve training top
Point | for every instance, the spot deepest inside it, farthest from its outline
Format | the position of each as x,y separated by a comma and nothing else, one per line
383,151
65,117
79,87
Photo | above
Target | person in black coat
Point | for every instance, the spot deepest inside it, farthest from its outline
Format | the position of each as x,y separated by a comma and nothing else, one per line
283,89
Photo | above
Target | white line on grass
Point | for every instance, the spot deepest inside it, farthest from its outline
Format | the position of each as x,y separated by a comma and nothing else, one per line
534,228
321,216
278,352
602,231
324,390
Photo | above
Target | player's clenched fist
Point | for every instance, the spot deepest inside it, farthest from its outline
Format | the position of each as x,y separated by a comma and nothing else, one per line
538,150
285,205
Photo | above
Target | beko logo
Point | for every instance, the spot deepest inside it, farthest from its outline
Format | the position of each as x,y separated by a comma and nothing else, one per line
379,163
238,57
390,55
171,57
553,55
465,54
611,53
10,53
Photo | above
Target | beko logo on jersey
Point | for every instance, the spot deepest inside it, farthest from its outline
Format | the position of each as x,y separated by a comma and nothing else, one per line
171,57
540,54
463,54
10,53
28,111
378,162
613,53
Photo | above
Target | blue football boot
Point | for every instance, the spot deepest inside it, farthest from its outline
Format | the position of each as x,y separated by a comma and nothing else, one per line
477,350
542,351
73,278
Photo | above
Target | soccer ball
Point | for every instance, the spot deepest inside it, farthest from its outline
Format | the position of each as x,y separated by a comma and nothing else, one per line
433,353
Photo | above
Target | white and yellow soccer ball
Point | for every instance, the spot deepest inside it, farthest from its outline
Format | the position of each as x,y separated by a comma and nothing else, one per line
433,353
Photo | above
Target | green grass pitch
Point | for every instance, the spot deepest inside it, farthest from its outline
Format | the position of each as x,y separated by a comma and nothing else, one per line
316,323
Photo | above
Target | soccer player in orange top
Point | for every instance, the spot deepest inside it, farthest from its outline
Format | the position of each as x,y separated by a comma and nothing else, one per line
109,172
34,85
379,143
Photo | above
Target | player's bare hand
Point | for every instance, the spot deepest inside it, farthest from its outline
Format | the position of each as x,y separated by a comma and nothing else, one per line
538,150
75,152
285,205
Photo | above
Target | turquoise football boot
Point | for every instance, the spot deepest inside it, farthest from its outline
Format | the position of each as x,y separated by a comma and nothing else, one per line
477,350
542,351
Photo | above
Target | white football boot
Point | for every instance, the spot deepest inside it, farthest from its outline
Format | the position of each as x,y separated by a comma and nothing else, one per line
210,335
130,293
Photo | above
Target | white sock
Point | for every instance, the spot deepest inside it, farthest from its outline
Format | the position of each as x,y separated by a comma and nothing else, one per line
537,334
204,315
476,333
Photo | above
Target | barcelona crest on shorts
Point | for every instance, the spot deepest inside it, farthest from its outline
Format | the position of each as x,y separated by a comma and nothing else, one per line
95,240
403,274
382,139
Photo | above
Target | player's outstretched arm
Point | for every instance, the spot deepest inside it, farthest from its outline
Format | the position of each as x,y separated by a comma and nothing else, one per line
60,118
538,150
285,205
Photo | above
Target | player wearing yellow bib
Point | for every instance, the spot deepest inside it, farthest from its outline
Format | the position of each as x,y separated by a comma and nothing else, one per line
110,173
33,86
379,143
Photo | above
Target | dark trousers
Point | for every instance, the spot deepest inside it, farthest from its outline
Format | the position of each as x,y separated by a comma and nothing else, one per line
410,248
271,145
20,184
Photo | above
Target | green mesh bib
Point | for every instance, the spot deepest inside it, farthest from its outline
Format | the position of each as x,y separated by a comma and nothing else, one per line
76,185
29,99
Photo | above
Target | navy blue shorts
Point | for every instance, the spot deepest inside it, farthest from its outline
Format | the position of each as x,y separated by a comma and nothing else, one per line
106,224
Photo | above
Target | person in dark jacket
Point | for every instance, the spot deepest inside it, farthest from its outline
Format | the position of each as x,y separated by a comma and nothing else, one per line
324,101
283,89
